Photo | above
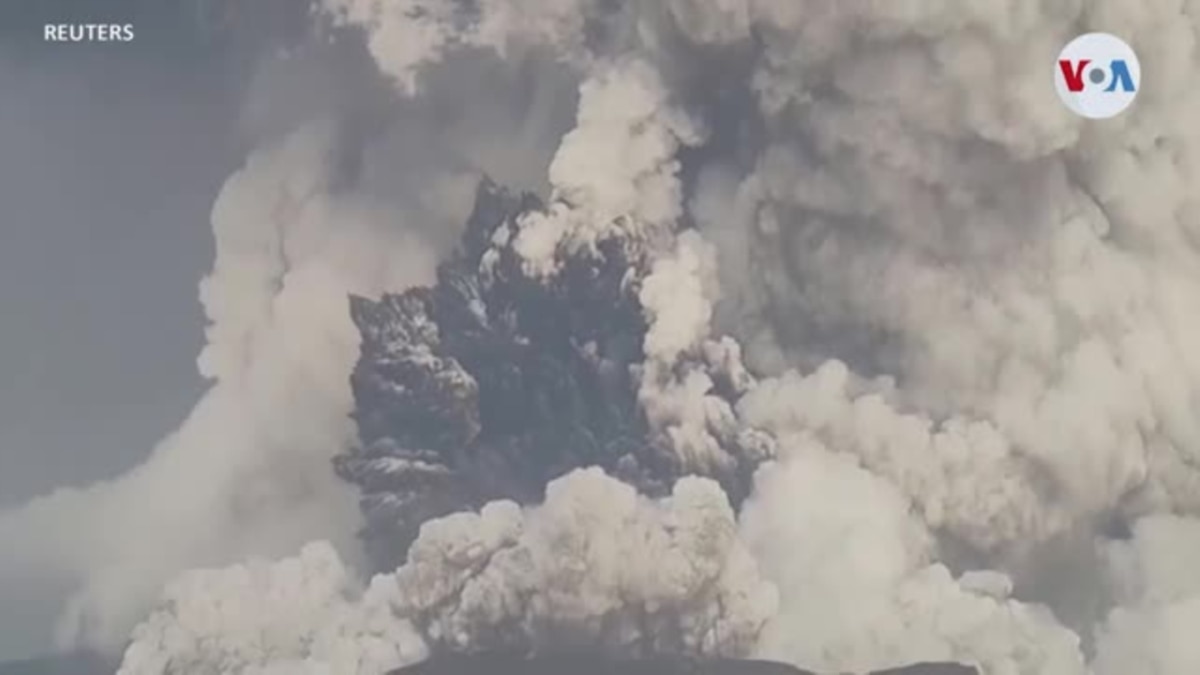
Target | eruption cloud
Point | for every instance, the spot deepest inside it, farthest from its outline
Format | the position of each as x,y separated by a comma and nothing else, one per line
906,335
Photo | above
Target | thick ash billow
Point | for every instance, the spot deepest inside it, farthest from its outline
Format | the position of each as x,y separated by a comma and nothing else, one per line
491,383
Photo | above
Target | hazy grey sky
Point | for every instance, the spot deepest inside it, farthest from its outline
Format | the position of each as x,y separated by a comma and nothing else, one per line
110,157
105,188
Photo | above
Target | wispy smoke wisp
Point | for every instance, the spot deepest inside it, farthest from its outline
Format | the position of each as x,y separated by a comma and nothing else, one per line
248,472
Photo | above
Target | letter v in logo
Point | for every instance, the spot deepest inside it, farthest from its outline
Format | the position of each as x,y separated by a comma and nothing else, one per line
1073,73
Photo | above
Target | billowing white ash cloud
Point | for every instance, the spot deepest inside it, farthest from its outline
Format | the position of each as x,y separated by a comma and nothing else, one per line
1007,269
596,564
860,584
305,614
1160,598
875,258
596,560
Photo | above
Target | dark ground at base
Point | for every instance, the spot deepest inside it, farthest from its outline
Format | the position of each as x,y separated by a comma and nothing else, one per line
487,664
491,664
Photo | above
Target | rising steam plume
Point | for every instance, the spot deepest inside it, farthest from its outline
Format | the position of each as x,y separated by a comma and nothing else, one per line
830,337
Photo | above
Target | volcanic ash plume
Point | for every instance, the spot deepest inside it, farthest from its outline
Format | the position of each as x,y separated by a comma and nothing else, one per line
595,566
1160,598
965,292
844,269
298,615
882,599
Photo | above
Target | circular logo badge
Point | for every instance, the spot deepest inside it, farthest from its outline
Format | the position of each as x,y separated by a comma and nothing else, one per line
1097,75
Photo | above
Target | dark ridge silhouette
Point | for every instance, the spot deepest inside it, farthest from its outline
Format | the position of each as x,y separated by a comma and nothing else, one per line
503,664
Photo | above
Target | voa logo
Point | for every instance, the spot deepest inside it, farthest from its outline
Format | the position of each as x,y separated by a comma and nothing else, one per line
1097,75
